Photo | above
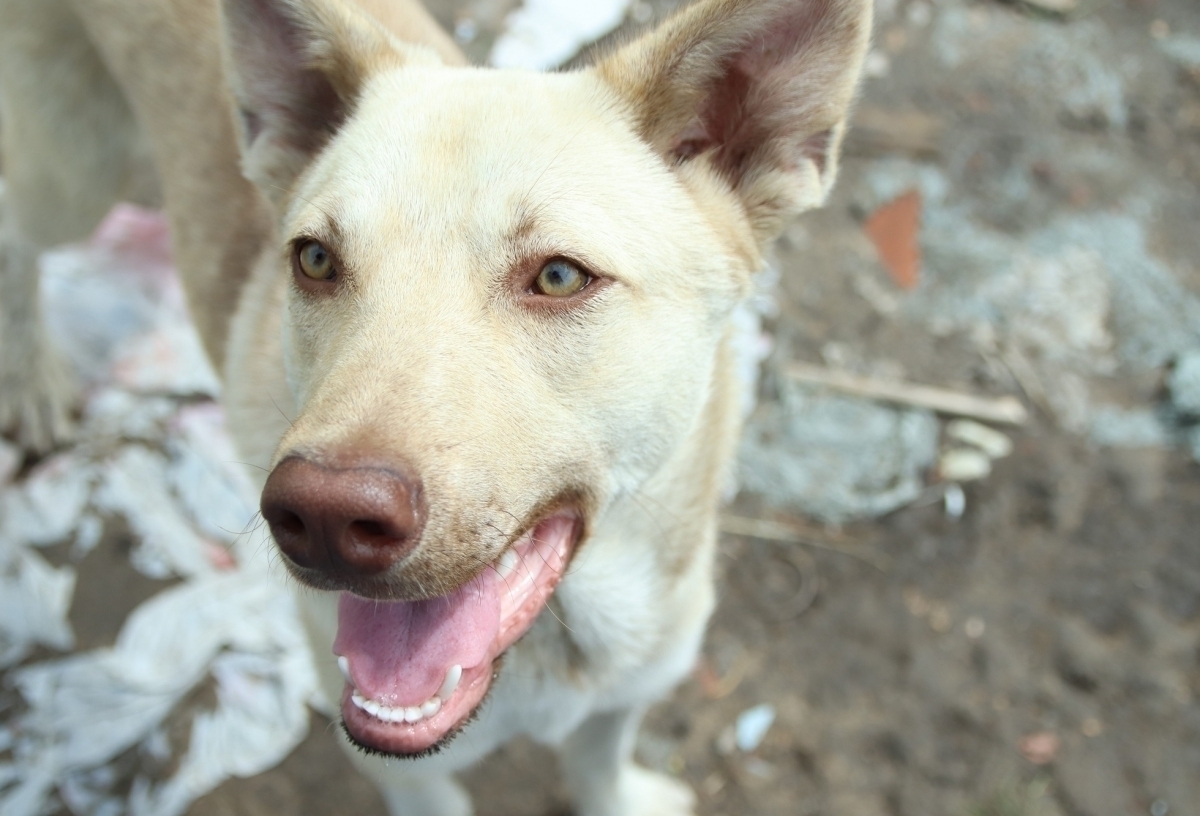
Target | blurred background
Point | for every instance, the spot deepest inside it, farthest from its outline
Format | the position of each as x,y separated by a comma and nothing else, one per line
962,573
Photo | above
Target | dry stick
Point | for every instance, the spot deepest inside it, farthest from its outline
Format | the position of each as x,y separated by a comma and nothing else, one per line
774,531
1001,410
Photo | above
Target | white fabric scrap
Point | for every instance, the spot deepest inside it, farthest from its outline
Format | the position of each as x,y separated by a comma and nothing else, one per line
34,600
206,476
146,451
88,708
116,307
44,509
135,485
10,460
543,34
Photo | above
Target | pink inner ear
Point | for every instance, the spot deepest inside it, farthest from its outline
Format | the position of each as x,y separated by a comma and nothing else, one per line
760,95
281,91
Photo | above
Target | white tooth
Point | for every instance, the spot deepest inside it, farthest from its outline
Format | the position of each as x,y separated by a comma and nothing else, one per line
412,714
507,563
359,700
372,708
395,715
451,682
432,706
344,665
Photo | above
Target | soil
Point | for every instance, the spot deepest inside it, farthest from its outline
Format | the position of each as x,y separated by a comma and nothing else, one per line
1038,655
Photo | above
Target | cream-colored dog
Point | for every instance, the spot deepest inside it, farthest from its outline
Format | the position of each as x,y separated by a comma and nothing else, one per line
494,305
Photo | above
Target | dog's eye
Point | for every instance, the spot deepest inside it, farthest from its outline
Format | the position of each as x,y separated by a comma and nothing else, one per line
561,278
315,262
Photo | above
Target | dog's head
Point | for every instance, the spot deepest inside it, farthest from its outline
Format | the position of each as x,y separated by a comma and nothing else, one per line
506,296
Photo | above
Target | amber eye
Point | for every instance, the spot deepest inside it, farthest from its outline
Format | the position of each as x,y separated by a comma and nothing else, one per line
561,278
315,262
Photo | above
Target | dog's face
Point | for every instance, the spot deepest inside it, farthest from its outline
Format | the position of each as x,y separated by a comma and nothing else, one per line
507,292
488,314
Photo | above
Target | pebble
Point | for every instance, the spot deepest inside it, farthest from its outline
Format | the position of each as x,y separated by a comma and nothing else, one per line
994,443
964,465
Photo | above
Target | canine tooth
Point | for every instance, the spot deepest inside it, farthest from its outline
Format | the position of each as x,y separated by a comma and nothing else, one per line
432,706
412,714
507,564
451,682
359,700
344,666
373,708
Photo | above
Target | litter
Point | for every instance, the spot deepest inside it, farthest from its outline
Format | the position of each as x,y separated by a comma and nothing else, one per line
34,600
752,726
1128,428
543,34
1040,748
1006,410
895,230
135,485
954,500
992,442
836,458
964,465
1184,384
147,450
1184,51
43,509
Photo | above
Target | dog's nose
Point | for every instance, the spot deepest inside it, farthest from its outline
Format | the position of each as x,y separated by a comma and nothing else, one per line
354,519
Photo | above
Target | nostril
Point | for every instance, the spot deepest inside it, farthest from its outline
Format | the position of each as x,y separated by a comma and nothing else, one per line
288,522
371,530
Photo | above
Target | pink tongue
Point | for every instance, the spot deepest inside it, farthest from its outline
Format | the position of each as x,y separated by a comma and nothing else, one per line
399,652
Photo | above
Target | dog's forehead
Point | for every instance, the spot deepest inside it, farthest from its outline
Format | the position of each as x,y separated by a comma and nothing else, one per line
478,149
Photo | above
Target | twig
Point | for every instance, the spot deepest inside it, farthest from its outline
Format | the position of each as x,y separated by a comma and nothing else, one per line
1001,410
774,531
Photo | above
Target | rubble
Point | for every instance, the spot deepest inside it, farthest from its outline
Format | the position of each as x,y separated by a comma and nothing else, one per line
836,458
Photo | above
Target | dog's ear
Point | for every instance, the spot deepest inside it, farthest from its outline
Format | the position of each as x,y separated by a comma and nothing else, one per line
296,68
759,90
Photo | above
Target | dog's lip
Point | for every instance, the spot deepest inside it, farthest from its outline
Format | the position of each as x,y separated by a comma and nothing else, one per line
409,739
381,589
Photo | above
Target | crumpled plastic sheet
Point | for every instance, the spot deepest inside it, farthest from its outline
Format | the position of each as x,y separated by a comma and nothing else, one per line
151,448
543,34
34,600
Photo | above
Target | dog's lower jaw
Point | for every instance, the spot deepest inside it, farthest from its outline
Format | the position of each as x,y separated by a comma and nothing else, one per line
430,735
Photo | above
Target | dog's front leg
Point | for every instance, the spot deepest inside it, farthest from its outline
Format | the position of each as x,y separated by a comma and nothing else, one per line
603,780
35,390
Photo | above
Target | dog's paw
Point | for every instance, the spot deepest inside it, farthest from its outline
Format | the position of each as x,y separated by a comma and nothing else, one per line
35,401
646,793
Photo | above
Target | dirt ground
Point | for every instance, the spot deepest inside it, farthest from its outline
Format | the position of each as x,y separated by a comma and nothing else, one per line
1040,655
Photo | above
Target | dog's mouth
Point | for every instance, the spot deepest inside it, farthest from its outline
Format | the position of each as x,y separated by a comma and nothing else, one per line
416,670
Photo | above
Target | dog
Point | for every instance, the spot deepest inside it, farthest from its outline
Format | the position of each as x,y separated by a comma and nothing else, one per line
473,327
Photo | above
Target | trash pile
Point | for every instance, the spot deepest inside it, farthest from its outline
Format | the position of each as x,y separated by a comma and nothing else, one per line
151,449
